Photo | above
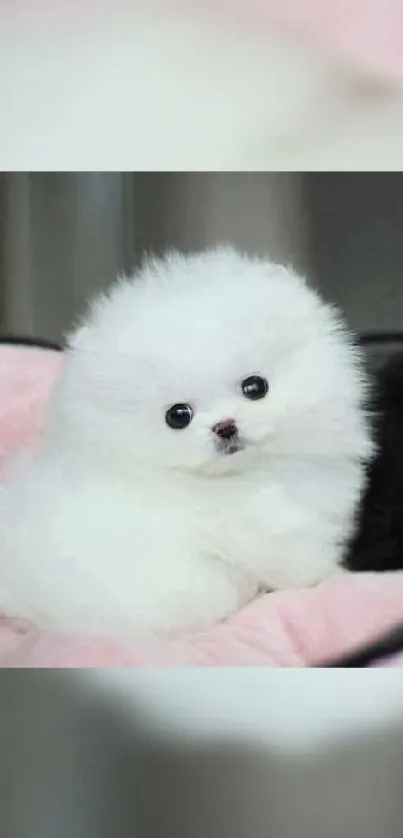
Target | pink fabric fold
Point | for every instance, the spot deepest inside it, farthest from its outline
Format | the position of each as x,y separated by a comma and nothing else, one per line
285,629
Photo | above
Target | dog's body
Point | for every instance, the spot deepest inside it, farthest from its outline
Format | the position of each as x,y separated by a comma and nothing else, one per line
207,440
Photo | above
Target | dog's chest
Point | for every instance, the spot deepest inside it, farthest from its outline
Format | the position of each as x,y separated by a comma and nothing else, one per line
240,521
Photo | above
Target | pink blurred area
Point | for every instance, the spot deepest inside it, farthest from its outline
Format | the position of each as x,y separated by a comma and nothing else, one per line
368,33
26,379
365,33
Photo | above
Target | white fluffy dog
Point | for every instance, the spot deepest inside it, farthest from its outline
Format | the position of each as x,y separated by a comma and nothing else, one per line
207,440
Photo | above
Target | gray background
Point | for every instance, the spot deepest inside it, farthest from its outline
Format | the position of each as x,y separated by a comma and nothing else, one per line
77,766
63,236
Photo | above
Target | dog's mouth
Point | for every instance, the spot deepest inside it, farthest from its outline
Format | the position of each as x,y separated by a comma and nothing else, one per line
230,446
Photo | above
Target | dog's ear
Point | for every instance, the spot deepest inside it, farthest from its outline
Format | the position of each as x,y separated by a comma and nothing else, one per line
38,343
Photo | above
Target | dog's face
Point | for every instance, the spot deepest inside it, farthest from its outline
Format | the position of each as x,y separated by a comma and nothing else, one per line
211,363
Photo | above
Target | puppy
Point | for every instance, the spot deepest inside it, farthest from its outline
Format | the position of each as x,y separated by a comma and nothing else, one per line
207,440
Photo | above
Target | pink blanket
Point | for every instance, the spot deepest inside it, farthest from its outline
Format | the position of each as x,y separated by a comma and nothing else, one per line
288,628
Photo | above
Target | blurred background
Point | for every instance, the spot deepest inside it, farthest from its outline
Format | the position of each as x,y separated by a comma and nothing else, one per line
203,85
64,236
198,753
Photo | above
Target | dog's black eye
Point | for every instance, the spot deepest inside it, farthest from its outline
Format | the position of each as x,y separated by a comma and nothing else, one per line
255,387
179,416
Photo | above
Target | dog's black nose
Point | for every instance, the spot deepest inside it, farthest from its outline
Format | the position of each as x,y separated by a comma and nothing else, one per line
226,429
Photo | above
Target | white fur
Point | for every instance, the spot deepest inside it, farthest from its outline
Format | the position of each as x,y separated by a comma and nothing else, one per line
122,523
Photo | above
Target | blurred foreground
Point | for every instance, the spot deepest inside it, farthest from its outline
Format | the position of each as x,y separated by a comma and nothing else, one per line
196,753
